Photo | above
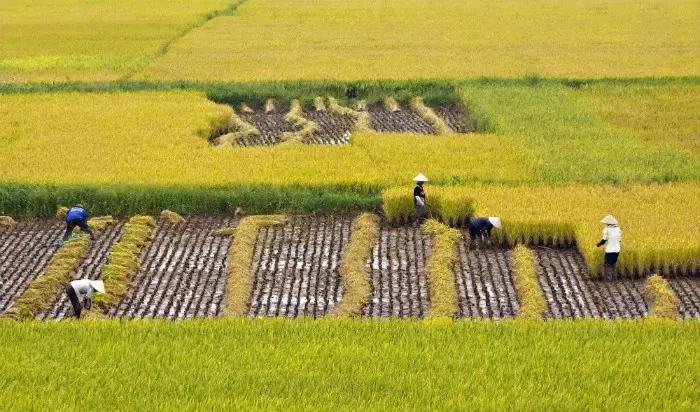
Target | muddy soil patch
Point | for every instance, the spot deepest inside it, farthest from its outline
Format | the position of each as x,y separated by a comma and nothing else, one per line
400,121
296,267
570,292
687,292
332,128
270,125
485,283
25,249
182,274
397,264
455,118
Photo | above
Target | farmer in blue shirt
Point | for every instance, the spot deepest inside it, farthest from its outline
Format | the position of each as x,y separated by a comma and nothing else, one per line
76,216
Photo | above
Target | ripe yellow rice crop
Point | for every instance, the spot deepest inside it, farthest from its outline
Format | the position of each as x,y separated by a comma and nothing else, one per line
161,138
659,222
349,39
59,40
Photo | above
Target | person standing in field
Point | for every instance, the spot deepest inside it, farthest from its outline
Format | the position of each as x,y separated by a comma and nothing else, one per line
419,197
480,227
76,216
80,293
612,236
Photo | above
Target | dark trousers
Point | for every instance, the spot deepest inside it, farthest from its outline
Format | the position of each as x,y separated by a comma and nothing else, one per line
77,307
71,224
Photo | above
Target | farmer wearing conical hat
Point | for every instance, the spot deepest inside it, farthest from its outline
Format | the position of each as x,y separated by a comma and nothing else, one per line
612,236
80,293
76,216
419,197
480,227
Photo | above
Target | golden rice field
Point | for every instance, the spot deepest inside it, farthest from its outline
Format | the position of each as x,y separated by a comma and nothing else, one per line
161,138
659,222
664,115
347,39
86,40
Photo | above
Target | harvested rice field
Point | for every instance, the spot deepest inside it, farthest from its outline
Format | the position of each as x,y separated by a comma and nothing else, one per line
335,129
183,273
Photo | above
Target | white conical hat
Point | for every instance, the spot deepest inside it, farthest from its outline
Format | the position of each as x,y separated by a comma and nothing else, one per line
420,178
609,220
98,285
496,222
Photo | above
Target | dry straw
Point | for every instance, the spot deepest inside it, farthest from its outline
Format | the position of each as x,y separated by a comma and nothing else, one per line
391,105
662,300
172,217
319,105
240,259
7,221
439,269
426,113
242,129
353,272
122,262
246,109
530,296
270,105
305,127
363,120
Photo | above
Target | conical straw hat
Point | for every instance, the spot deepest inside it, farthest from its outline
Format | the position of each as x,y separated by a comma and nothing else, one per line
420,178
496,222
609,220
98,285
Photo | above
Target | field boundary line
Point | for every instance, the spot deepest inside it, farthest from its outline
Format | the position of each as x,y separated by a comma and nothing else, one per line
439,125
165,47
527,287
439,269
123,261
240,259
41,292
354,275
663,303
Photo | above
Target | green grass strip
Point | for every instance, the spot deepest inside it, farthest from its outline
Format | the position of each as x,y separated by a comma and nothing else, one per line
240,260
40,200
42,292
439,269
532,301
662,300
353,273
122,262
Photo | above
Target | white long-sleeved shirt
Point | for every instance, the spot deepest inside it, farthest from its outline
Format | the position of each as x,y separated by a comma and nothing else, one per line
612,235
83,288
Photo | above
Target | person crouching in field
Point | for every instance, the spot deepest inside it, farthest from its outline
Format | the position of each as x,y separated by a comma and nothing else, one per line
76,216
480,227
80,293
419,197
612,236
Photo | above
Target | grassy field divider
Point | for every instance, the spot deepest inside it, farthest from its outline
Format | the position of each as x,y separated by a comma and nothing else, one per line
531,299
243,130
353,273
7,221
439,269
240,260
123,260
426,113
662,300
363,119
306,127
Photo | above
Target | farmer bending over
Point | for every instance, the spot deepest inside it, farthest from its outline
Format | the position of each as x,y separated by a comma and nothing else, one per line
76,216
481,227
80,293
419,197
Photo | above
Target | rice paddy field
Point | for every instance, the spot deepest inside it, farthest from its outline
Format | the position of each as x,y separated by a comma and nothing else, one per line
247,167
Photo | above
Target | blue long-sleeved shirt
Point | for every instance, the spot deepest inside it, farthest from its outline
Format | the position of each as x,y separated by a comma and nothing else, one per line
76,213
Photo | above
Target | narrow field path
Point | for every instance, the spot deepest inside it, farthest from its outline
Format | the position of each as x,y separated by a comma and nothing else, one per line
25,250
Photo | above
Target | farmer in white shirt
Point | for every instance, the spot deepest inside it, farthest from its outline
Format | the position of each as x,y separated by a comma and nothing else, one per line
612,236
80,293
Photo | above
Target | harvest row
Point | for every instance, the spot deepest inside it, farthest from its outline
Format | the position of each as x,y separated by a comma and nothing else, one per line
297,270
